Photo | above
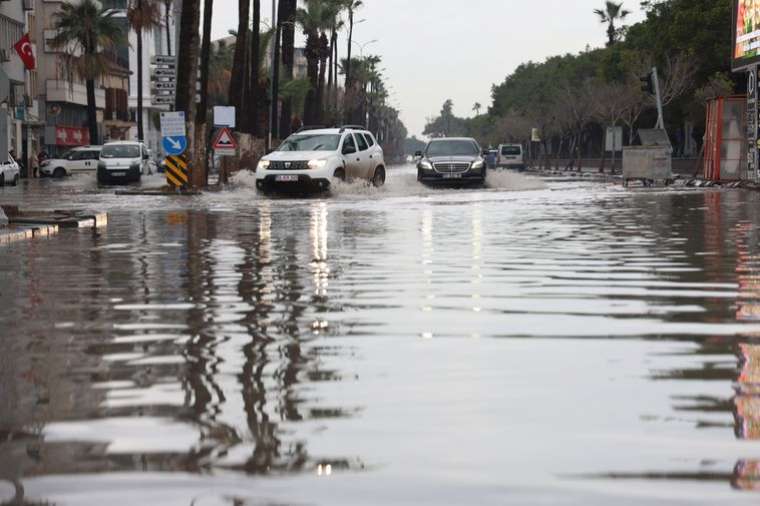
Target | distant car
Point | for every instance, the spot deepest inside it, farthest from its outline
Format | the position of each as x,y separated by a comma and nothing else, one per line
511,156
9,172
452,160
122,162
313,159
81,159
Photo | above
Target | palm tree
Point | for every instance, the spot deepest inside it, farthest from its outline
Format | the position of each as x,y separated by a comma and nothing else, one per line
239,67
254,98
311,20
144,16
477,107
208,8
86,31
187,78
610,15
351,6
287,15
324,53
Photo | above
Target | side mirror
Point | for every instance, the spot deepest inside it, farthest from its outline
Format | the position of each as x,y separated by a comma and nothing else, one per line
418,154
485,152
349,150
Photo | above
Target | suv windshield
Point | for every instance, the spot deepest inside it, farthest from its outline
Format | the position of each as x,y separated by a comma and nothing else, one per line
120,151
452,148
311,142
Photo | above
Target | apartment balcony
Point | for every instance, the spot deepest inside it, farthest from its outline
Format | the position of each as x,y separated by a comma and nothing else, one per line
63,91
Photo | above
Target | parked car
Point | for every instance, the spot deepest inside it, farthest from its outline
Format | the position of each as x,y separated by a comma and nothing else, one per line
456,161
81,159
122,162
313,159
9,172
511,156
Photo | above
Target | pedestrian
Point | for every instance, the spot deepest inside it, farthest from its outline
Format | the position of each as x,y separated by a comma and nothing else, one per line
34,161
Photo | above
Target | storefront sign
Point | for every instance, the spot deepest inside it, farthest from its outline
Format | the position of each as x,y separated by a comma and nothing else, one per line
71,136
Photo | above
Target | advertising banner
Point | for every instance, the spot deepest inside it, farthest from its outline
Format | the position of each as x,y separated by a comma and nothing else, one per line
746,33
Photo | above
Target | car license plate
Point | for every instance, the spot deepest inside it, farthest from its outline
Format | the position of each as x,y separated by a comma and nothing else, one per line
286,179
118,174
452,176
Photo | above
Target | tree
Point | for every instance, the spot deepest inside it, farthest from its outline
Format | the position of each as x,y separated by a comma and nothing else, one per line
312,19
288,20
144,16
351,6
611,14
208,8
239,66
86,32
476,108
253,100
187,77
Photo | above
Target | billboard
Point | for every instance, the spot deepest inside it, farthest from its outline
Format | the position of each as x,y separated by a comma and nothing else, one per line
746,33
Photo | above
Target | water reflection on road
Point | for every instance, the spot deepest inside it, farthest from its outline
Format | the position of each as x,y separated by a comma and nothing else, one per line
406,346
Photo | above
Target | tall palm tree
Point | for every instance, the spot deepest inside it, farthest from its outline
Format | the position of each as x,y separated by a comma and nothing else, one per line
324,53
254,97
86,31
208,8
239,67
477,107
144,16
287,17
612,13
311,20
351,6
187,77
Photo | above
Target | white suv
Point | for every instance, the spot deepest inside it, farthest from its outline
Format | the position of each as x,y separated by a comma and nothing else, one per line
9,172
82,159
312,159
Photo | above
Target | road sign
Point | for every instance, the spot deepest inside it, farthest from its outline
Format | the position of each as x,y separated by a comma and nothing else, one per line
174,145
225,143
162,59
224,116
177,171
173,124
163,72
162,92
164,100
164,85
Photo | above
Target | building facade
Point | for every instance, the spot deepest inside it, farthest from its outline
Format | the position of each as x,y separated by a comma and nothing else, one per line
18,109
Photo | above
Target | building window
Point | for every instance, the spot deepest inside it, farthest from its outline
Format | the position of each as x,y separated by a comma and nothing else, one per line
10,32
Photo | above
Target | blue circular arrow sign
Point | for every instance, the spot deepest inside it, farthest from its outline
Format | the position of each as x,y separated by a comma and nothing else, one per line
174,145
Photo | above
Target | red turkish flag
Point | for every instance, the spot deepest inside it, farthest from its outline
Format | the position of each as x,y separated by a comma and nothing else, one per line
24,49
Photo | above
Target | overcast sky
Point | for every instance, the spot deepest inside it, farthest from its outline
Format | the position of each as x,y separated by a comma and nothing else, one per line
438,49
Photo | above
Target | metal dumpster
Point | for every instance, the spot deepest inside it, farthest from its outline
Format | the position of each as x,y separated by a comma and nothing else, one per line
652,162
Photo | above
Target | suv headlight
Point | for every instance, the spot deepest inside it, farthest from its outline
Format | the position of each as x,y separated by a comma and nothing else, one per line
476,165
425,165
317,164
263,165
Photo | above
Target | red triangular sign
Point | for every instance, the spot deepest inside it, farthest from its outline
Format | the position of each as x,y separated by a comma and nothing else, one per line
225,140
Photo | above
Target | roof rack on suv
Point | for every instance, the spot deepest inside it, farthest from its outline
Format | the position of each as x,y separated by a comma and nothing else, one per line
352,127
311,127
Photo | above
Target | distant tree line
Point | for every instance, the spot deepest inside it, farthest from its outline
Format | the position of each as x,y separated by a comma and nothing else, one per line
572,98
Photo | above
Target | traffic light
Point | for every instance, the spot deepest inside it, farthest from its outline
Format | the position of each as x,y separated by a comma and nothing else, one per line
647,85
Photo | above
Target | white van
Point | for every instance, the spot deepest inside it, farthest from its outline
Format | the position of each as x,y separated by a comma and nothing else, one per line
123,161
511,156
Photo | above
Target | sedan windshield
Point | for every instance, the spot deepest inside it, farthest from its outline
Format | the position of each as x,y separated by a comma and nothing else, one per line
120,151
452,148
311,142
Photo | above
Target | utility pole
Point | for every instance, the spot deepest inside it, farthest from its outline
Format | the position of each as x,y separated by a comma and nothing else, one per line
658,97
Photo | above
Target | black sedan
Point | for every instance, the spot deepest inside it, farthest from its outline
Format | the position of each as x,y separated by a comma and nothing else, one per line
452,161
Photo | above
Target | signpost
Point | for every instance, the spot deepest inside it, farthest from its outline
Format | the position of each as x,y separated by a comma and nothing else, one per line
173,133
225,143
614,143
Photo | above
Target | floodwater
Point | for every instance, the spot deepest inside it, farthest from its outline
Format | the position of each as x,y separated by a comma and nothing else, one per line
533,342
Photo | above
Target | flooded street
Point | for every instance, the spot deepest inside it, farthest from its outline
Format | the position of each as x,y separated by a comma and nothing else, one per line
533,342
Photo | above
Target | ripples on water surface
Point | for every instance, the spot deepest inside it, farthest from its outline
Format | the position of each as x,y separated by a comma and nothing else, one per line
571,343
